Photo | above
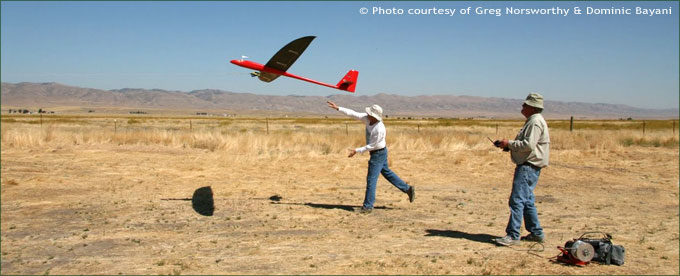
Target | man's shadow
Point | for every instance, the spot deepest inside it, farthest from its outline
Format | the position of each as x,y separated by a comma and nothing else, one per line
484,238
349,208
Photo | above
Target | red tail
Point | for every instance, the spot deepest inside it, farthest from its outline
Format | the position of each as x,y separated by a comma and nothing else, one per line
349,82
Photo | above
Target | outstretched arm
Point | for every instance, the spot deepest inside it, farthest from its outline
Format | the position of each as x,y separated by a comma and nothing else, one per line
332,105
351,113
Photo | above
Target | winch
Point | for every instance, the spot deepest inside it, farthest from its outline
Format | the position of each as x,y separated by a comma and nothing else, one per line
576,252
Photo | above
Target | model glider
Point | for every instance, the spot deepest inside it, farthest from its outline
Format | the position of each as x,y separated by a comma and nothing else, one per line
284,58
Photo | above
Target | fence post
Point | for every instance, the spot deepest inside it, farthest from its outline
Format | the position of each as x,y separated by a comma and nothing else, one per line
40,120
191,126
643,128
496,129
267,122
115,125
347,129
571,124
673,128
418,127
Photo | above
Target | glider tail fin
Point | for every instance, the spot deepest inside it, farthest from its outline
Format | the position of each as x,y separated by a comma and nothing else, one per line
349,81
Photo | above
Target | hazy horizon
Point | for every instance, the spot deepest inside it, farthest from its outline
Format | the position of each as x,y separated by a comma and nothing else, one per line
629,59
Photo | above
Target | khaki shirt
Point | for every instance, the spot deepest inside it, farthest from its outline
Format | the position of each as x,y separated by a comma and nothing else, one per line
532,143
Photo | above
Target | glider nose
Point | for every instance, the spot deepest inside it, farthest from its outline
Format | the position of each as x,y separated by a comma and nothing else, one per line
236,61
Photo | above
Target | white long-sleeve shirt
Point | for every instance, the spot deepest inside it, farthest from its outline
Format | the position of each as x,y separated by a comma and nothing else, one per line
532,143
375,133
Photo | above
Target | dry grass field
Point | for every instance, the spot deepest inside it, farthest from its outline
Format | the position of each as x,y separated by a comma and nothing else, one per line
99,195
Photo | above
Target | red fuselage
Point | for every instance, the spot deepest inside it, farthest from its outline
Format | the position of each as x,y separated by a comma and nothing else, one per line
260,67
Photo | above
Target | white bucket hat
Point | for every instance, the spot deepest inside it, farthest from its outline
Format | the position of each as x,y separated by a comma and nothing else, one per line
375,111
535,100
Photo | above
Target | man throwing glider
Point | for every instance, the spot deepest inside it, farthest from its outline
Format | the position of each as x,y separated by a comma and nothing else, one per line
375,144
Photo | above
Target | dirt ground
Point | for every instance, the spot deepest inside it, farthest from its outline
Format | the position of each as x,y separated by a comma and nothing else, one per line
117,209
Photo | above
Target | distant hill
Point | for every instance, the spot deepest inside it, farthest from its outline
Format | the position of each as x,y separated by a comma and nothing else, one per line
49,95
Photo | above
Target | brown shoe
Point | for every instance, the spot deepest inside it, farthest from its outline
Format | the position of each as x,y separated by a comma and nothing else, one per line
363,210
533,238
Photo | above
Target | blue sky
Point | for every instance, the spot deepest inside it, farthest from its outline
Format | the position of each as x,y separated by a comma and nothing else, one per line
619,59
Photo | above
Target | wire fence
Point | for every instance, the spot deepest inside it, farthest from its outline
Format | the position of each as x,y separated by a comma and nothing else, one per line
267,125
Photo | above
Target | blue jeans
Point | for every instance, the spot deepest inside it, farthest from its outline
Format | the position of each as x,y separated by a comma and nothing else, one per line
522,202
378,165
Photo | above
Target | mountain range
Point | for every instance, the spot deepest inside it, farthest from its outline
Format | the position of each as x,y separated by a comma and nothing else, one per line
51,95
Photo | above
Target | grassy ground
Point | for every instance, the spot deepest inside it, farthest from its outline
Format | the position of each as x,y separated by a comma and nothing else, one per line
90,195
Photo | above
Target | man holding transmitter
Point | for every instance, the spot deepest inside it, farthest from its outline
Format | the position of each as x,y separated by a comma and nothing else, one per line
530,151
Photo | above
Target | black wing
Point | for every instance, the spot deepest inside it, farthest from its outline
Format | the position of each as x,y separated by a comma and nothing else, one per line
285,57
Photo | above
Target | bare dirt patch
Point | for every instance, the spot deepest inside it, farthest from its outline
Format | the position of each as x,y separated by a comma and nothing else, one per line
103,209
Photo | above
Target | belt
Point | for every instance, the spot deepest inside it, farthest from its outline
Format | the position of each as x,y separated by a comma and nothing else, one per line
529,164
378,150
